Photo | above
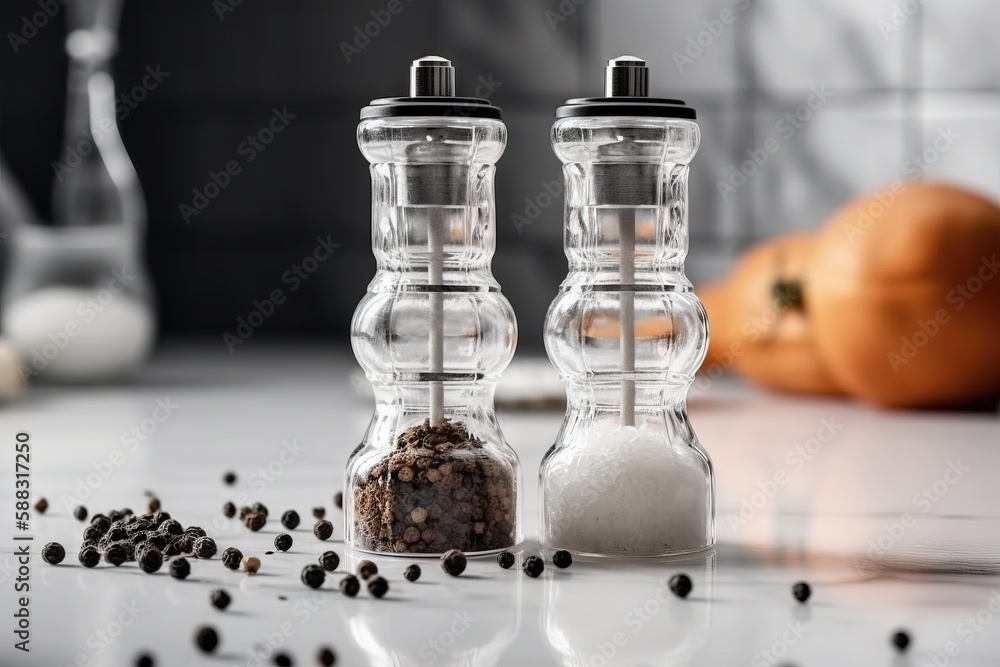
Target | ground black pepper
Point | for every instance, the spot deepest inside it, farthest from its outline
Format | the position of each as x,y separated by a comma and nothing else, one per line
533,566
378,586
453,562
680,585
53,553
207,639
366,569
506,559
412,572
204,547
801,591
89,557
229,478
350,585
180,568
313,576
323,529
901,640
438,489
220,599
80,513
329,560
231,558
150,560
283,542
229,510
562,559
290,519
326,657
319,512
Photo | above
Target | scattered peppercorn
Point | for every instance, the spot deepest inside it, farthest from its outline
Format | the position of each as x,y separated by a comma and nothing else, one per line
329,560
207,639
268,553
533,566
80,513
40,504
180,568
313,575
290,519
115,554
378,586
100,522
220,599
680,585
319,512
260,507
150,560
366,569
506,559
282,660
323,529
283,542
453,562
229,510
153,504
255,520
562,559
326,657
338,499
251,564
204,547
170,527
229,478
801,591
412,572
901,640
53,553
350,585
231,558
145,660
89,557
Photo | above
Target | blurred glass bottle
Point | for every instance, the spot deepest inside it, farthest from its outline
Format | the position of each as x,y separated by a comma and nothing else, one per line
77,298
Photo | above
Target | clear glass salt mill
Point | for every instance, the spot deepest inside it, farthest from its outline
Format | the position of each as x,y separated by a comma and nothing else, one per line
626,475
77,300
433,471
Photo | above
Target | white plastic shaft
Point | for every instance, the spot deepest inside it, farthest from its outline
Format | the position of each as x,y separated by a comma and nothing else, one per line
435,279
626,240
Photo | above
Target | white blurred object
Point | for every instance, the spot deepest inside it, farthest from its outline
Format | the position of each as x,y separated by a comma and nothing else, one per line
530,384
10,378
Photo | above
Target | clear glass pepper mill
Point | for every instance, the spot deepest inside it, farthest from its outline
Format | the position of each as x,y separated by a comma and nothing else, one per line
433,333
77,300
626,476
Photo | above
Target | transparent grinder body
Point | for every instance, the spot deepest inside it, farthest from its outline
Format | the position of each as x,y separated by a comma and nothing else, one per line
626,475
433,471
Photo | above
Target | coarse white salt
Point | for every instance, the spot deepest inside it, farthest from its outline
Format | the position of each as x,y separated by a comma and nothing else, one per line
72,334
627,491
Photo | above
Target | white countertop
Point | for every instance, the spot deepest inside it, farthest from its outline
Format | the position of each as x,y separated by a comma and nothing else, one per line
894,518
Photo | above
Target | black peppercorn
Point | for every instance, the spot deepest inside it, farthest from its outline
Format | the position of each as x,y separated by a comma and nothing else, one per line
338,499
323,529
260,507
101,523
251,564
156,540
533,566
290,519
326,657
53,553
506,559
801,591
329,560
139,537
171,527
204,547
901,640
282,660
283,542
207,639
378,586
115,554
254,520
150,560
145,660
180,568
366,569
229,478
319,512
412,572
220,599
40,505
453,562
89,557
80,513
680,585
92,534
562,559
229,510
350,585
231,558
313,576
160,517
196,531
153,504
116,534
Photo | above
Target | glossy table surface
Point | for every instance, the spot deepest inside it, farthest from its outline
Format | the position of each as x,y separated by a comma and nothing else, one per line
892,517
